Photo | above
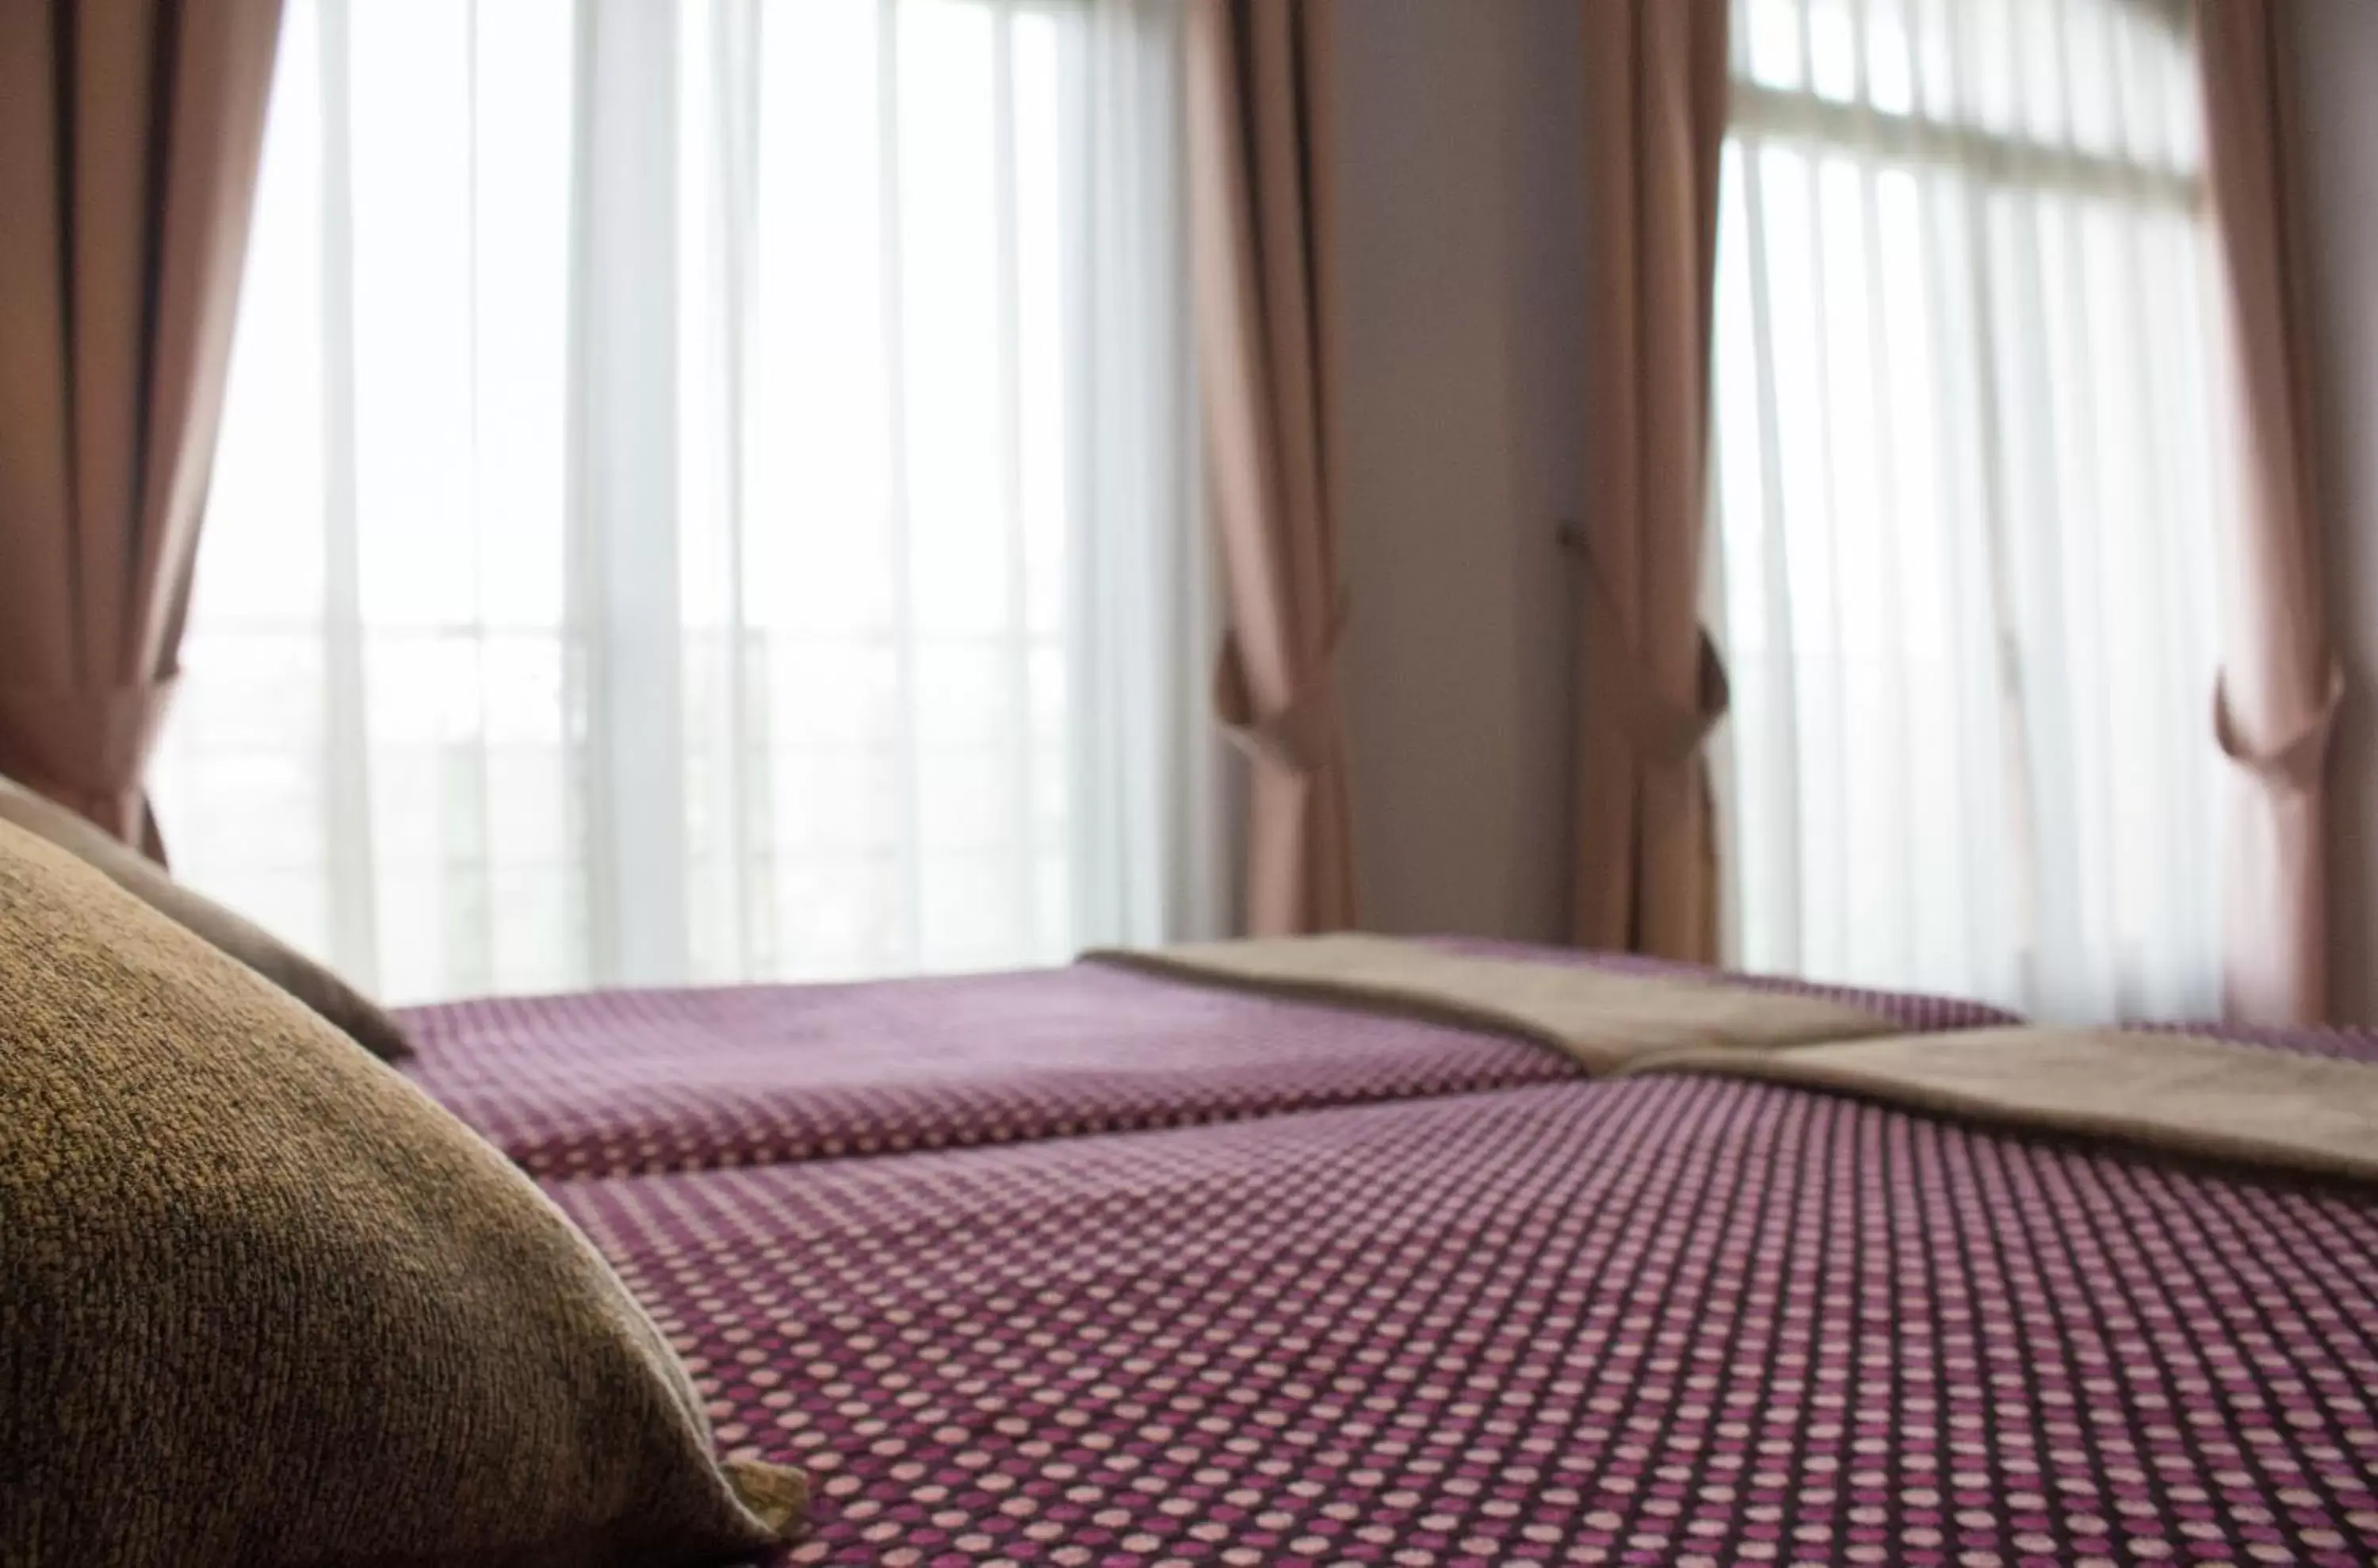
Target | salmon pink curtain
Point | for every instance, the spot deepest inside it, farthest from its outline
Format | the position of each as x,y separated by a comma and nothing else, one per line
1259,242
2280,684
1651,687
128,139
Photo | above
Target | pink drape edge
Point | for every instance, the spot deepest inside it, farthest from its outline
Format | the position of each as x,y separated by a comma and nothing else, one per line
2280,681
1651,687
129,135
1259,71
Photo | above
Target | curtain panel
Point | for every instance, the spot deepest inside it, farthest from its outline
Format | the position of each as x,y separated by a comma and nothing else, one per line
1969,457
708,494
1651,688
129,141
2280,684
1259,75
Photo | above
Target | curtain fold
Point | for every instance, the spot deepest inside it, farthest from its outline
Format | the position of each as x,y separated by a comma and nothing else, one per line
1259,203
2280,684
1155,851
128,144
1657,94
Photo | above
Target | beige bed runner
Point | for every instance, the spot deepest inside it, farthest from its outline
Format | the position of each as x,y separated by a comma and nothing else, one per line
2172,1091
1601,1017
2176,1092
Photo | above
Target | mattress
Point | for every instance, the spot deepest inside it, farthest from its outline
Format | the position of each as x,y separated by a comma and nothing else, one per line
1665,1320
645,1081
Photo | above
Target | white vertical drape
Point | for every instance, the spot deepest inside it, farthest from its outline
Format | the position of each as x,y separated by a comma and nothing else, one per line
1966,460
704,496
1151,799
621,521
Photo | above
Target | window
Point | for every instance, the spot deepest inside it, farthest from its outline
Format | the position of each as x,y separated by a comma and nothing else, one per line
1966,458
673,499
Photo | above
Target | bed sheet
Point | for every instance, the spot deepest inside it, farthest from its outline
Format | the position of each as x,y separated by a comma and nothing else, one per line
613,1082
1666,1320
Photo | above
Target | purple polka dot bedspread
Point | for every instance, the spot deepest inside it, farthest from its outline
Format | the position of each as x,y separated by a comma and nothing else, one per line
1657,1321
619,1082
1145,1275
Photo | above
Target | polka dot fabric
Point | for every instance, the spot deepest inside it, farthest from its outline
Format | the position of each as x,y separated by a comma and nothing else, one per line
630,1081
1665,1321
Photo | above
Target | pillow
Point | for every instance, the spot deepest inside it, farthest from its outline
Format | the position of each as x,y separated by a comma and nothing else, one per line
263,1305
355,1013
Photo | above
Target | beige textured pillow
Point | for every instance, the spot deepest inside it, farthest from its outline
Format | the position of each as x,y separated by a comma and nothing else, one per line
263,1305
356,1014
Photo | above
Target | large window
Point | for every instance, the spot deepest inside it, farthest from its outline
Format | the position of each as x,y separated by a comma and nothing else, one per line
1967,464
681,466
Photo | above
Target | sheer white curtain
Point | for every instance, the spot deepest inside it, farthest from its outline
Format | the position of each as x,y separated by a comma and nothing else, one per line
1966,454
704,495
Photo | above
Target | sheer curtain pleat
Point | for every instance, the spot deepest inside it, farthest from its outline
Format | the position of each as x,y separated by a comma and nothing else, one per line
1964,462
1150,784
624,678
702,498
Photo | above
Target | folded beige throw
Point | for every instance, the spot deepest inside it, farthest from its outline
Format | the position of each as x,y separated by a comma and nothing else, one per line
2182,1094
1601,1017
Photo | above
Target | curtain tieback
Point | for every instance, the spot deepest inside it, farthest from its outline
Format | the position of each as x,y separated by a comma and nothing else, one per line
2294,763
87,742
1660,730
1298,736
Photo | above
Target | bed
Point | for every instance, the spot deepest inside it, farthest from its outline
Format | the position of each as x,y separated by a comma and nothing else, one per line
1433,1297
640,1082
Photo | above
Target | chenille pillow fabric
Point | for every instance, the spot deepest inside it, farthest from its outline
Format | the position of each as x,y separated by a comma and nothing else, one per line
355,1015
263,1305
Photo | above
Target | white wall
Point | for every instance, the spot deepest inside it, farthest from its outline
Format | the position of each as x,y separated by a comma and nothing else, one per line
2336,72
1456,431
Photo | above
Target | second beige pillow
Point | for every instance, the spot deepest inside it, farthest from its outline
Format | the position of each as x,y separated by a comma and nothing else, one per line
356,1016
